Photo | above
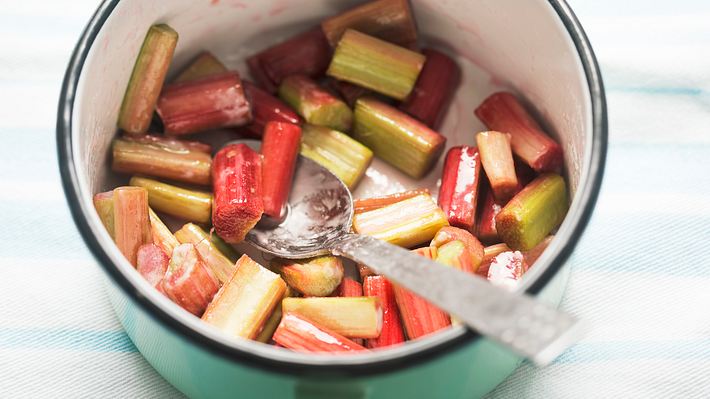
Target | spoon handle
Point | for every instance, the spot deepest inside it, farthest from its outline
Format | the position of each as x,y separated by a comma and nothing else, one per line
518,321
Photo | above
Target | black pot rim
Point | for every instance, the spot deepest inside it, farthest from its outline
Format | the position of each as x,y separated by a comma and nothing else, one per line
587,197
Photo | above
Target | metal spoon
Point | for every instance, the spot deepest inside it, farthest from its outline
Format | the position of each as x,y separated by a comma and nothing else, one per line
318,223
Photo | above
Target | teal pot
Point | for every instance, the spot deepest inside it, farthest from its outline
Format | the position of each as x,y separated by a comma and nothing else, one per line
535,47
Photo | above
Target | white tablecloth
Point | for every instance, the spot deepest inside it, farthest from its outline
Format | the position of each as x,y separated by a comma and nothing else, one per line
640,276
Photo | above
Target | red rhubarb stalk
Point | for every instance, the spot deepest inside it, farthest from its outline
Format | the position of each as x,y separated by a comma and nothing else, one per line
348,288
458,195
474,247
265,108
504,113
279,150
497,161
489,253
209,103
131,220
434,89
299,334
392,333
372,203
237,204
507,269
188,281
486,222
152,263
390,20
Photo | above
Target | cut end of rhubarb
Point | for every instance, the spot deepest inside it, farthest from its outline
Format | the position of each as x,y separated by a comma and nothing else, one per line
474,247
312,277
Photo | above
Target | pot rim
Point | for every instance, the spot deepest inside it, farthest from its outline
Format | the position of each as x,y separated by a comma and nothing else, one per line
586,196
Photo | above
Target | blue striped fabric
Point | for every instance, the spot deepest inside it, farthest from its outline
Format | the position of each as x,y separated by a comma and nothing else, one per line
640,275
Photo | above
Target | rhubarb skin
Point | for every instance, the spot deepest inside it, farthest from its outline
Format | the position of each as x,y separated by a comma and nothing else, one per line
532,255
392,332
188,281
147,79
209,103
103,202
534,212
348,91
299,334
474,247
182,203
507,269
184,161
406,223
307,54
353,317
458,195
503,112
266,108
348,288
455,254
430,99
489,253
316,105
162,236
497,161
312,277
238,204
396,137
152,263
390,20
370,204
221,266
486,219
272,323
204,65
131,220
246,301
365,271
279,150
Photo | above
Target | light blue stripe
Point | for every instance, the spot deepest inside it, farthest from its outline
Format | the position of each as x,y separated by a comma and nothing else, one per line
637,350
66,338
659,90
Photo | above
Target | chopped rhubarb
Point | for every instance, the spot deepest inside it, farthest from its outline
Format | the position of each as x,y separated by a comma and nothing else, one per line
162,236
131,220
392,333
456,254
209,103
307,53
448,234
534,212
486,220
364,271
279,150
489,253
270,325
265,108
497,161
180,202
396,137
348,91
406,223
372,203
503,112
348,288
246,301
316,105
204,65
353,317
532,255
185,161
221,266
188,281
238,204
458,195
312,277
390,20
434,90
507,269
103,202
152,263
147,79
300,334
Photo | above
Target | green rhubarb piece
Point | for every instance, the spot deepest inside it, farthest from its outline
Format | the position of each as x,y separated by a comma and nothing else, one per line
316,105
396,137
534,212
103,202
339,153
375,64
191,205
147,79
204,65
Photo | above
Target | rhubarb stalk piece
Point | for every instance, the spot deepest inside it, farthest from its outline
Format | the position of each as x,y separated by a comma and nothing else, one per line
348,288
307,54
434,90
449,234
265,108
226,249
221,266
147,79
103,202
131,220
339,153
246,301
209,103
503,112
279,150
184,161
316,105
534,212
406,223
238,204
185,204
390,20
532,255
162,236
353,317
486,219
372,203
497,161
458,195
375,64
152,263
392,333
364,271
396,137
302,335
455,254
507,269
348,91
188,281
272,323
312,277
204,65
489,253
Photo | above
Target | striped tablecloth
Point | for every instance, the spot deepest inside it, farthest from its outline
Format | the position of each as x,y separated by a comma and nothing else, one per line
640,276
